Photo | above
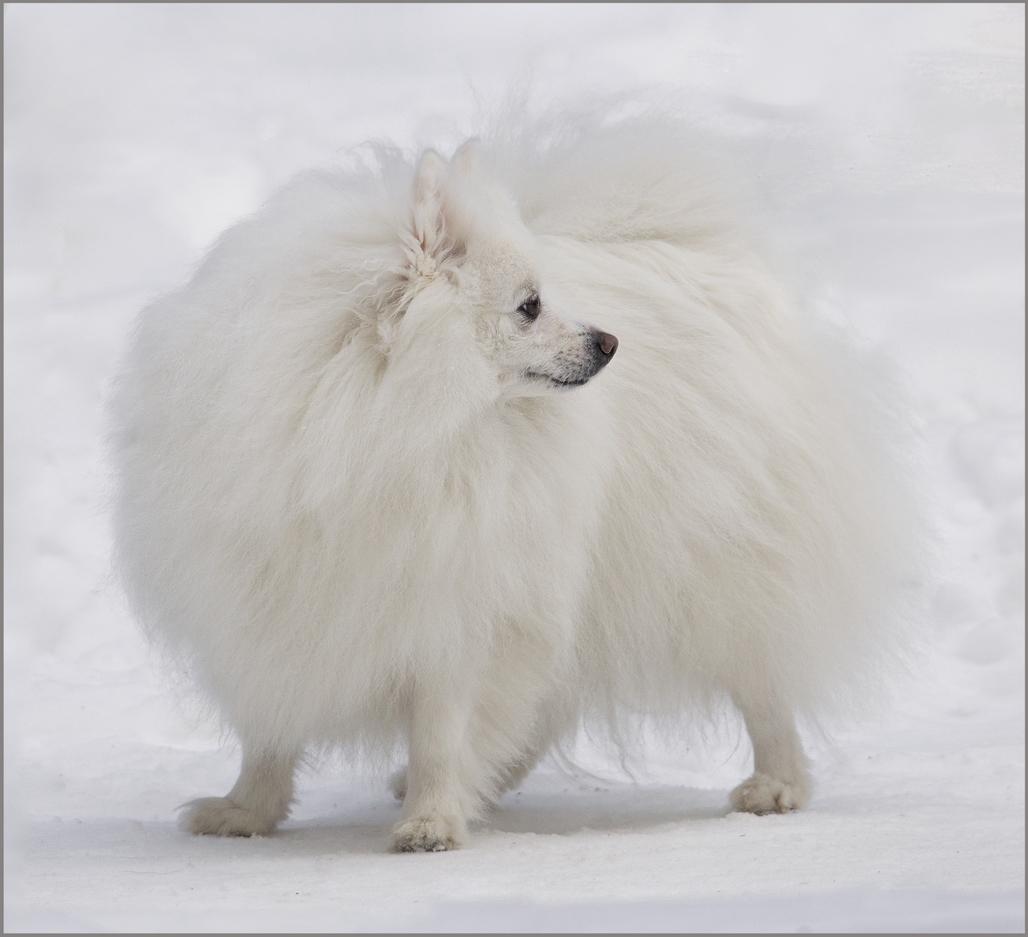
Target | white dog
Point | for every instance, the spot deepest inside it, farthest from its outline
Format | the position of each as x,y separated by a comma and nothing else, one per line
383,481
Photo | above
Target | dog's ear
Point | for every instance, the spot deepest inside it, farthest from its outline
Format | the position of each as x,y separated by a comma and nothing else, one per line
467,158
430,185
467,167
432,235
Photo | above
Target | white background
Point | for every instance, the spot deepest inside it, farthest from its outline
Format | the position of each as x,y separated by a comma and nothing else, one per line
887,141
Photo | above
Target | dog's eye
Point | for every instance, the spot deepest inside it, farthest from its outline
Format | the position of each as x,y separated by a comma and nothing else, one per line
530,308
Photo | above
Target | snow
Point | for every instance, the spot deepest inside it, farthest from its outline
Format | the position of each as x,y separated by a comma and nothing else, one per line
888,142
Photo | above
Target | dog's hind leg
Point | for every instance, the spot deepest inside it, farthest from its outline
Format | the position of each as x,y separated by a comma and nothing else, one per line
780,781
510,777
398,783
516,771
258,802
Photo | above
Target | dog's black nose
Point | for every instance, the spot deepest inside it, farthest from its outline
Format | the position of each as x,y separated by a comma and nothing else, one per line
607,344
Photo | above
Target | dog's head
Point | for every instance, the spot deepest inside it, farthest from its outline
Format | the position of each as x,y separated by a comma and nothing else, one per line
472,262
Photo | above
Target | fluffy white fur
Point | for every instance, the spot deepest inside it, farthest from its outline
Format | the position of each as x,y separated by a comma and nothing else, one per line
360,494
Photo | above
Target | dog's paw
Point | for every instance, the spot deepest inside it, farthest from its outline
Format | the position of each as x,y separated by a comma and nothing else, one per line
428,833
398,784
762,794
219,816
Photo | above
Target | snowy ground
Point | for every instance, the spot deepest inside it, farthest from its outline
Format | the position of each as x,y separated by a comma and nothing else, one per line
889,143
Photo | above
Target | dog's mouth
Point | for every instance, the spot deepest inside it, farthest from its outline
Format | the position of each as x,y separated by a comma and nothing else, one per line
557,381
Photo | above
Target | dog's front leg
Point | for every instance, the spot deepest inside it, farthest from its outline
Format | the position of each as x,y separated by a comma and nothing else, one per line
443,778
780,781
259,801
